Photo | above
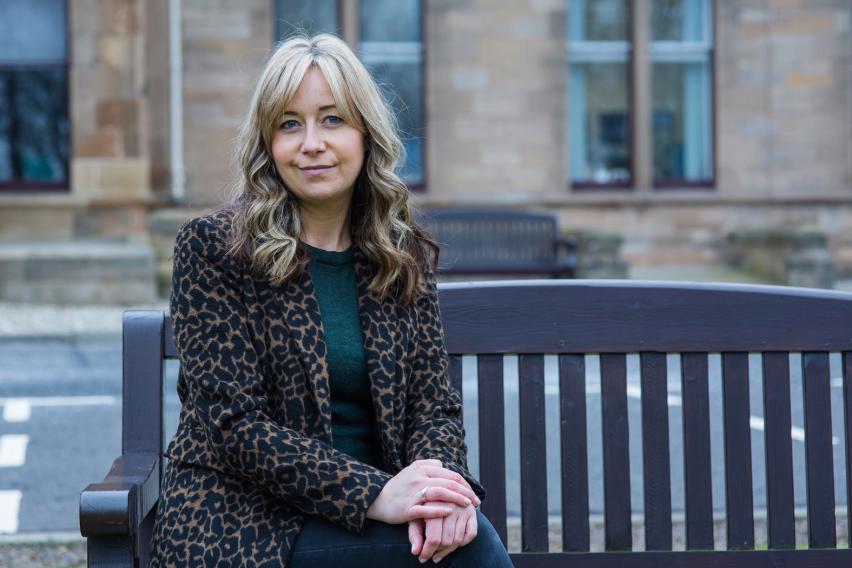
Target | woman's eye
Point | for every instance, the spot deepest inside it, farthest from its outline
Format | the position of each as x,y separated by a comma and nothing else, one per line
333,120
289,124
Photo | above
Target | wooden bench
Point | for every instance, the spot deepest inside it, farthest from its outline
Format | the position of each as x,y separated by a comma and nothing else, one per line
575,321
489,241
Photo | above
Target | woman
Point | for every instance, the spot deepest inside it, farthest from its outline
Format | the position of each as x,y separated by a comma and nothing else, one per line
318,426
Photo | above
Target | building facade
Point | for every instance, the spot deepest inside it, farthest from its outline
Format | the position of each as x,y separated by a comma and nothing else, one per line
670,122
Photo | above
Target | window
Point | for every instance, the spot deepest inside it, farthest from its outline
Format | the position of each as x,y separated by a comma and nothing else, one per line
640,93
682,122
310,16
598,94
34,126
388,36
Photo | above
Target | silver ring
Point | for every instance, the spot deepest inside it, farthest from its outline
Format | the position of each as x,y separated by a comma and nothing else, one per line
423,494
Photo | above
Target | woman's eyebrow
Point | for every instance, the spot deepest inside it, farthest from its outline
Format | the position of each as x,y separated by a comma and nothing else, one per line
321,109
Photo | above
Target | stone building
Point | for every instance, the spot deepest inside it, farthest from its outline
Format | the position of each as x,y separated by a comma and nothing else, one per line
671,122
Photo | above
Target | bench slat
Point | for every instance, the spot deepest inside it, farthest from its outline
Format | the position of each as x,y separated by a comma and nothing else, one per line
616,457
575,458
492,441
779,456
533,454
847,426
696,451
818,450
655,448
738,480
838,558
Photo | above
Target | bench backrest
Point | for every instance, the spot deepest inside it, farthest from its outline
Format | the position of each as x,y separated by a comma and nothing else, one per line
570,319
496,240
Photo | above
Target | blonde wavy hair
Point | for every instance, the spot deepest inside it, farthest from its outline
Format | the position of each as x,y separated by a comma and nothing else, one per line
266,224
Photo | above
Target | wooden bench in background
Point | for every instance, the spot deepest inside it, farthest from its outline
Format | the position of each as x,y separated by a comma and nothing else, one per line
570,319
500,241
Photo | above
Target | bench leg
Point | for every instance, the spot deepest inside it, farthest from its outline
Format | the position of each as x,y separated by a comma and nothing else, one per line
112,552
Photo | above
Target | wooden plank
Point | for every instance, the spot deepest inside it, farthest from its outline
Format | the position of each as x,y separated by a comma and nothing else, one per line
738,480
655,447
575,459
847,427
818,450
779,453
696,451
586,316
838,558
616,455
142,380
492,441
533,454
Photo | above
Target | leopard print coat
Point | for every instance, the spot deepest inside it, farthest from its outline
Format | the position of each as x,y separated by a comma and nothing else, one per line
253,454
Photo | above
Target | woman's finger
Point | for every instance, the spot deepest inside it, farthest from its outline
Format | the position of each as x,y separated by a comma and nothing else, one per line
430,463
442,494
448,533
415,535
428,511
461,482
453,486
470,529
461,527
432,538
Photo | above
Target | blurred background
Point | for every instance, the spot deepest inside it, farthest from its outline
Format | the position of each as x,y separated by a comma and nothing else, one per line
670,139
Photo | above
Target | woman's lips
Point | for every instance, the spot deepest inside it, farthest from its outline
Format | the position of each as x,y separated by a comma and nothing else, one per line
316,170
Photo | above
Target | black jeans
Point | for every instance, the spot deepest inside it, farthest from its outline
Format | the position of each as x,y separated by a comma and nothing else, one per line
322,544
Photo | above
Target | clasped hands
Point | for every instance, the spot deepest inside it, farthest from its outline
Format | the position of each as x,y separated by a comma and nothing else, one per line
437,503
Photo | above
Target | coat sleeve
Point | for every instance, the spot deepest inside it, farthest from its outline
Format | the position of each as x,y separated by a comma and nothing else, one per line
224,384
433,406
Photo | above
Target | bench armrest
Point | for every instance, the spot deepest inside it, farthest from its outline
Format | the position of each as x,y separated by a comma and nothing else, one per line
118,504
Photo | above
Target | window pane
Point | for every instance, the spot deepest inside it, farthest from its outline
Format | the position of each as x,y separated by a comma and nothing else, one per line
681,98
34,133
682,125
42,36
598,20
402,86
599,123
679,20
391,48
389,20
310,16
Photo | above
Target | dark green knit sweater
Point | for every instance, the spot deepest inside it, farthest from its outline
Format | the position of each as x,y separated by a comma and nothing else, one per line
352,419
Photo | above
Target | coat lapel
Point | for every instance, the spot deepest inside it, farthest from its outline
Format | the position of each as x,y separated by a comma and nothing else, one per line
301,313
384,351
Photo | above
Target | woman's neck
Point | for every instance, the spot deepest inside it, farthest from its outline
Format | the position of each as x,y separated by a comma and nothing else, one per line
328,233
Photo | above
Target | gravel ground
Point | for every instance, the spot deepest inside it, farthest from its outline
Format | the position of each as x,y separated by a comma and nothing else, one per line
43,555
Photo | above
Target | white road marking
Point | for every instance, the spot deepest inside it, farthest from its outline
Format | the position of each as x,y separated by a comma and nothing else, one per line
10,502
13,450
17,411
96,400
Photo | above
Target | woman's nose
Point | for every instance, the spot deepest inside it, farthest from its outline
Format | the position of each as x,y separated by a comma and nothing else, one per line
313,141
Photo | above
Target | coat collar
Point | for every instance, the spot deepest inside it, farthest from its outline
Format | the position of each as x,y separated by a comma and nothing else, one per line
384,349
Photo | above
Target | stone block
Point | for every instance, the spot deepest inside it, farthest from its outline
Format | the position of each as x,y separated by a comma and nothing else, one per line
77,273
115,52
107,142
793,256
28,223
104,178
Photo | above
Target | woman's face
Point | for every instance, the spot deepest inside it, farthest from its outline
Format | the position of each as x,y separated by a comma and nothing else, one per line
317,154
